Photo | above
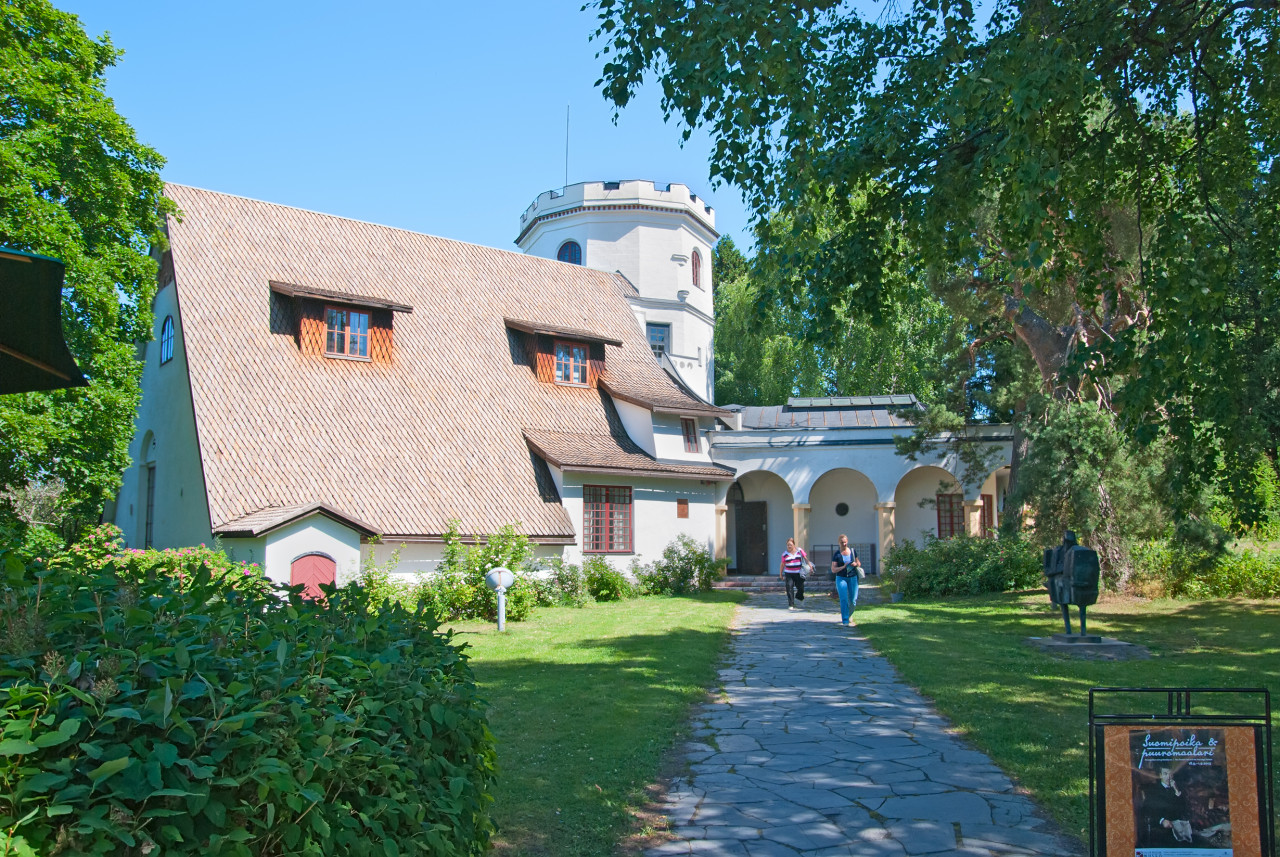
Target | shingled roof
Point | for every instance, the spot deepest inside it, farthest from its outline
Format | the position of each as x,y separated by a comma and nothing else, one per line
437,433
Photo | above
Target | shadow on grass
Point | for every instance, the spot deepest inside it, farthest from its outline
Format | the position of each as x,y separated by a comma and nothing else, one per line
579,742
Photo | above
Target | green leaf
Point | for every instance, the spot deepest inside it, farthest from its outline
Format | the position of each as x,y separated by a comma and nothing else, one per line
16,747
107,769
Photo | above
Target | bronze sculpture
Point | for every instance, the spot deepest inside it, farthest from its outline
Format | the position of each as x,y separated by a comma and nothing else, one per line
1071,576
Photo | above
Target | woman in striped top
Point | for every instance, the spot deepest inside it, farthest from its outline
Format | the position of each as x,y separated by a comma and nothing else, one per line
793,559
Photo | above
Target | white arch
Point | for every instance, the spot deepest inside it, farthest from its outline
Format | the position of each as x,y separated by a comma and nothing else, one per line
921,483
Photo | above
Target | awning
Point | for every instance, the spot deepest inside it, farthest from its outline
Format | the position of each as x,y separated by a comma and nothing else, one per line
33,353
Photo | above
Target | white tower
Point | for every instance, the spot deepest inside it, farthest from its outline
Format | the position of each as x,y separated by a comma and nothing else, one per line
660,240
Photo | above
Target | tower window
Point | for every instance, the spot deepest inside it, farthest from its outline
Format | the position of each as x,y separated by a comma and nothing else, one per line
659,336
166,339
571,252
695,263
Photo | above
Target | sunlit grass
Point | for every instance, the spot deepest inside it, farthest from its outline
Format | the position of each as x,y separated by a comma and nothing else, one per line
1029,709
584,704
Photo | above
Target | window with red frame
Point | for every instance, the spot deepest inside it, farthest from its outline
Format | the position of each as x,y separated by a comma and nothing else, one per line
571,363
950,515
606,519
690,429
346,333
695,264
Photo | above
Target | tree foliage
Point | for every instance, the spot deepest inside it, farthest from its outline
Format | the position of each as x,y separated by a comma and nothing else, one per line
1094,180
75,184
769,347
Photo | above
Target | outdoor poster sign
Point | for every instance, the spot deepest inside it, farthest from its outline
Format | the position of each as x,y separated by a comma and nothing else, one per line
1172,787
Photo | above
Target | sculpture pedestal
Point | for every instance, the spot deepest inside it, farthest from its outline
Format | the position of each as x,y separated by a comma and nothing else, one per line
1081,639
1089,647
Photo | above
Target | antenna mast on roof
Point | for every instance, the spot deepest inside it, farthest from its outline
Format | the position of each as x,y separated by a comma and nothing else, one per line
566,145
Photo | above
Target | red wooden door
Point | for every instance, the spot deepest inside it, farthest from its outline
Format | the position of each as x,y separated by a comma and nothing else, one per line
311,571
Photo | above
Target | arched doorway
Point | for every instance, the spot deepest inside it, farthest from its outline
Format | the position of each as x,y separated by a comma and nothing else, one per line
760,521
312,571
843,502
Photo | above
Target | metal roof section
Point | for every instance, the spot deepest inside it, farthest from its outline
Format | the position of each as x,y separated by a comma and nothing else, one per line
890,401
832,412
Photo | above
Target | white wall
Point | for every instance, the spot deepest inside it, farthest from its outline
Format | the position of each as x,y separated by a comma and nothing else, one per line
860,523
638,422
653,513
166,420
669,439
313,534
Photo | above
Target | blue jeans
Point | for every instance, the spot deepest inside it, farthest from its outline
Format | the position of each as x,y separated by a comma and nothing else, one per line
847,589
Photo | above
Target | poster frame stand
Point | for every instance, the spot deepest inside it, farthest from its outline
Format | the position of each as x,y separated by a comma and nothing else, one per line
1172,708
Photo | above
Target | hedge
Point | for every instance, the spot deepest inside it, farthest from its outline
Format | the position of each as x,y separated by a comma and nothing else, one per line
142,714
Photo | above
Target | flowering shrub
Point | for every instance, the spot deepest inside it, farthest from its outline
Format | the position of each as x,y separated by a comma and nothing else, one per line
103,546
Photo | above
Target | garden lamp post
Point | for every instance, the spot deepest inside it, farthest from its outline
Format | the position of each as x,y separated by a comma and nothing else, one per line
500,580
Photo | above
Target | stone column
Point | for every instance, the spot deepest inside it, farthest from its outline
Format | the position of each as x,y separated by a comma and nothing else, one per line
973,517
885,524
800,524
722,532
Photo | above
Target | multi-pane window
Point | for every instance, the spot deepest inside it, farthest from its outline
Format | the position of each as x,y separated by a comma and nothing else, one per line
606,519
988,515
659,335
346,332
690,429
166,339
571,252
571,363
950,515
695,263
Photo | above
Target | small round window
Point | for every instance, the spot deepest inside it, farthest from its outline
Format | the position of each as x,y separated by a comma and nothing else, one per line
842,509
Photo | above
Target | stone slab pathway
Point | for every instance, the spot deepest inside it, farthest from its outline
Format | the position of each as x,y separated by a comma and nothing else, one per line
820,749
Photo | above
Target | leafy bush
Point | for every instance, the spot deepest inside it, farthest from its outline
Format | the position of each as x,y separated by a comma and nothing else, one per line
685,566
140,716
1179,570
456,589
381,583
604,582
964,565
560,584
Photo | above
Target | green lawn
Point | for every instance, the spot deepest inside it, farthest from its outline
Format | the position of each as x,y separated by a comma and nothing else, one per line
584,704
1029,710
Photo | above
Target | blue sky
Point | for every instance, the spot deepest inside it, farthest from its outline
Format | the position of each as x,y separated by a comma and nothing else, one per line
444,118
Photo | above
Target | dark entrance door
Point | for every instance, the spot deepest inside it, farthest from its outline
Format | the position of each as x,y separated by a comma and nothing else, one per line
753,540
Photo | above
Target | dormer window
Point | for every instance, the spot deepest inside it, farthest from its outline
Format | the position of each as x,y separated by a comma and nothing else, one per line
326,323
571,252
571,363
346,333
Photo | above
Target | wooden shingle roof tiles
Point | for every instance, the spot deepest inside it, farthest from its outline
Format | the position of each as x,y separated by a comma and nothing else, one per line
435,434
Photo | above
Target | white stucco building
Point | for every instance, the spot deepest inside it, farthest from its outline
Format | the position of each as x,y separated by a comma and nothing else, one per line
660,239
322,392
